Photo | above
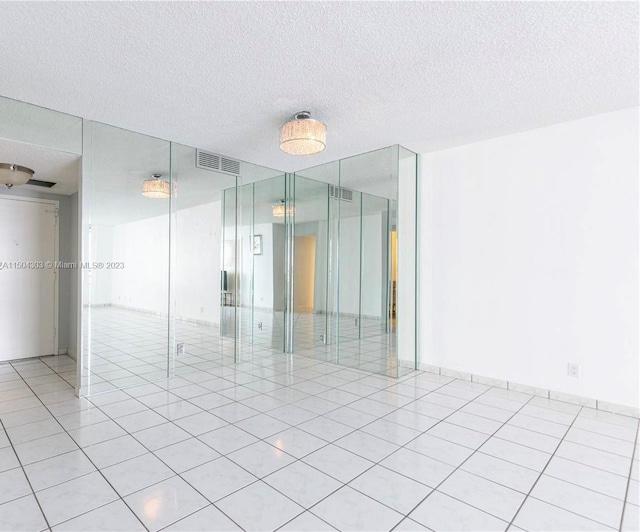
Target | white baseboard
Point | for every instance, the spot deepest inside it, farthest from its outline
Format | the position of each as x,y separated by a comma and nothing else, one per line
605,406
161,315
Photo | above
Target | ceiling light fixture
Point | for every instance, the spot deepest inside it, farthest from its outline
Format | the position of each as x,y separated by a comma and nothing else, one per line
303,135
156,188
281,209
13,174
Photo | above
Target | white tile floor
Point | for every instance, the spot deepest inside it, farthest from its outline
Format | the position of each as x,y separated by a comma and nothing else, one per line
293,443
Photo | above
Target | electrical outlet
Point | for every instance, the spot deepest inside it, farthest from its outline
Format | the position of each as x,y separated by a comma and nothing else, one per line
322,339
573,370
260,325
181,349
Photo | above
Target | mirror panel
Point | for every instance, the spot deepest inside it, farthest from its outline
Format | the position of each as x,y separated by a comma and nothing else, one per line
24,122
315,230
355,282
201,295
310,265
266,251
235,268
407,214
376,325
230,277
126,309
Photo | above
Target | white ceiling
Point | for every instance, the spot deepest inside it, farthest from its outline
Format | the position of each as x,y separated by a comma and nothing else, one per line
48,165
223,76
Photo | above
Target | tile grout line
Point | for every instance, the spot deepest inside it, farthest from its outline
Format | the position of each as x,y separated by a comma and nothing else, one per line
626,493
313,378
258,479
435,488
88,458
346,484
544,469
578,486
123,461
33,493
392,384
261,479
149,451
338,406
399,447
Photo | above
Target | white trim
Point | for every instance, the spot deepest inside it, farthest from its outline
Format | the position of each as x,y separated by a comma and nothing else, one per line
590,402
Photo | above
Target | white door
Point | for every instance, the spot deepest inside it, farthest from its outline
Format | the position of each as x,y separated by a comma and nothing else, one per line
28,248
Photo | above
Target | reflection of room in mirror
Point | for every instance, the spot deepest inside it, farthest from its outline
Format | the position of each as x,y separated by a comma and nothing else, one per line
346,266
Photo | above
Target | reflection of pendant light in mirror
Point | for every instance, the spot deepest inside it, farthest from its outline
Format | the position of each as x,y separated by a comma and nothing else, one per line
281,209
303,135
14,175
156,188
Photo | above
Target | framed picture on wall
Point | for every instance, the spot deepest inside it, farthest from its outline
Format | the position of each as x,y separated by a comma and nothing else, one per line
257,244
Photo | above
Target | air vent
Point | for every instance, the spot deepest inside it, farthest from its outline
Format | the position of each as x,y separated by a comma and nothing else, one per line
230,166
343,194
216,163
38,183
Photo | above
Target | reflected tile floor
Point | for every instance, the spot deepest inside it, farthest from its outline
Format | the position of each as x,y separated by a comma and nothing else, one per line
129,347
291,443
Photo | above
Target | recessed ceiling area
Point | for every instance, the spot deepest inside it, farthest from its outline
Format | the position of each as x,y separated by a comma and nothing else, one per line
223,76
55,166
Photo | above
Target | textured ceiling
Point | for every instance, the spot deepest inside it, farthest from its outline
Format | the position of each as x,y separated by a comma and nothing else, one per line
223,76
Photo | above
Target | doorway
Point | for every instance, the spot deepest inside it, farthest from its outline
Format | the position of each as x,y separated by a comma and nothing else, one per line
28,278
304,267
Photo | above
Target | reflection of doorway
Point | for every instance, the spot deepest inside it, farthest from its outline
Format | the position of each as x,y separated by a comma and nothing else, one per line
304,266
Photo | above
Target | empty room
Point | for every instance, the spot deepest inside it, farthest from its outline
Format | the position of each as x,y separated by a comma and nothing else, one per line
319,266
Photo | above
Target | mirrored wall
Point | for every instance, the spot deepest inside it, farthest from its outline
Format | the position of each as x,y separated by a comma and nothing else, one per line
173,285
353,296
39,242
127,245
188,260
199,262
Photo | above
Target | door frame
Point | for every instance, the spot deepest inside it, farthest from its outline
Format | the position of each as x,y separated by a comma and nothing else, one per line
56,248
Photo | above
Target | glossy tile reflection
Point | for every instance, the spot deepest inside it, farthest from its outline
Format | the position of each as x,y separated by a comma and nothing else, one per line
280,442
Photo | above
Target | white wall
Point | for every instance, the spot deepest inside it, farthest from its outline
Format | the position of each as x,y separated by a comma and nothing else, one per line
374,227
529,257
143,247
101,251
371,284
198,247
263,268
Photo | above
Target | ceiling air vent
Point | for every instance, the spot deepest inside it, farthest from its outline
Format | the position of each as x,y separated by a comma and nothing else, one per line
38,183
216,163
340,193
